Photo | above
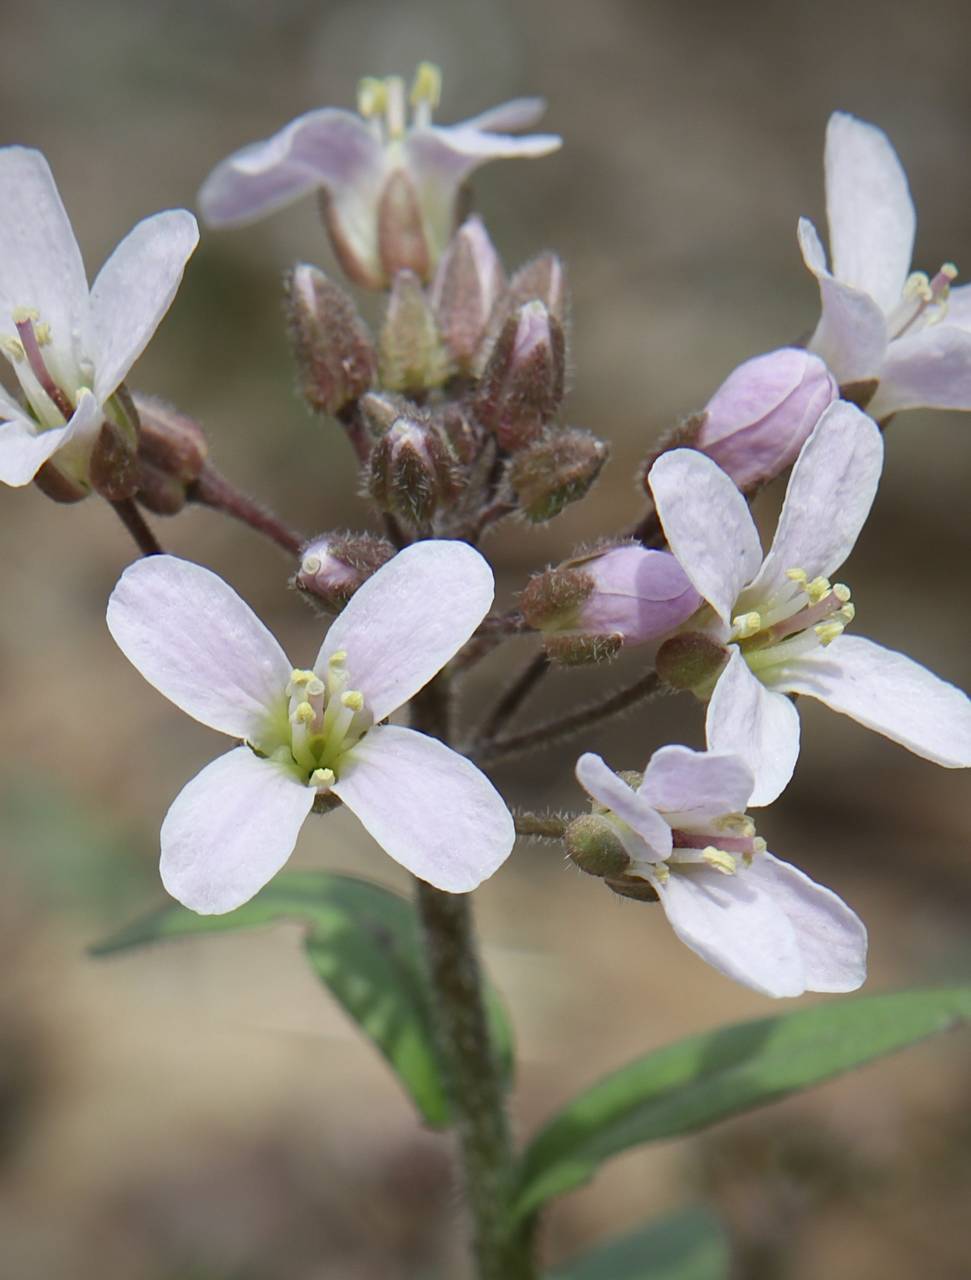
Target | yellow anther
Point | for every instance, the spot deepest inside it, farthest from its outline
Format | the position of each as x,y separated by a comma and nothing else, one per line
372,97
949,271
759,846
662,872
12,347
848,612
21,315
323,778
337,658
746,624
42,332
300,678
735,824
719,860
842,592
798,575
427,85
303,714
818,589
918,286
353,698
827,632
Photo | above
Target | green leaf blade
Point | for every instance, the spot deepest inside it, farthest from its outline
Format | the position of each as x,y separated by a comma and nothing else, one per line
686,1086
364,943
689,1245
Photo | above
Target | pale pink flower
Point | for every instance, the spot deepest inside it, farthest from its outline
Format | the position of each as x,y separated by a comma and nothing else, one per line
70,346
781,618
314,732
752,916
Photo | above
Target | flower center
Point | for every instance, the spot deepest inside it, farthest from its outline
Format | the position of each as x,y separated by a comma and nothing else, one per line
923,301
50,402
727,844
383,102
325,720
800,618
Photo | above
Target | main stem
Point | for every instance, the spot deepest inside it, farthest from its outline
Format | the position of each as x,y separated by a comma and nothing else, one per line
473,1075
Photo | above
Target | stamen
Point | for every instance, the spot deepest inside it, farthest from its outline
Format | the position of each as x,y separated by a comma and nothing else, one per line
323,779
818,589
746,625
372,97
337,658
353,699
719,860
829,631
394,111
426,93
24,321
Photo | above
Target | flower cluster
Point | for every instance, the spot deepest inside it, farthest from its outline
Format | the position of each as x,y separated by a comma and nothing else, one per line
453,407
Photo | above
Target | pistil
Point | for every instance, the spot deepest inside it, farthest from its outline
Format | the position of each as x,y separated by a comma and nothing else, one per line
31,340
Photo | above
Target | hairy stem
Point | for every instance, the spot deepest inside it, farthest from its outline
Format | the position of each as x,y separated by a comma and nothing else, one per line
472,1073
135,523
513,698
540,826
213,490
490,753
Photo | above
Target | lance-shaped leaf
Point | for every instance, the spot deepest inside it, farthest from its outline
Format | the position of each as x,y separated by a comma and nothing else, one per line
364,942
688,1245
709,1077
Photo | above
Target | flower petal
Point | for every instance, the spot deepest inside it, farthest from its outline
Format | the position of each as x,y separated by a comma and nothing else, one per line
603,785
890,694
734,925
959,307
40,262
199,644
696,786
851,336
748,720
830,493
323,148
134,289
928,369
24,449
708,526
428,807
871,215
508,117
230,830
831,938
408,620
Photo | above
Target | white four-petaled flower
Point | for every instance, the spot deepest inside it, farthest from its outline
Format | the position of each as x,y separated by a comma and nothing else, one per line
781,617
312,732
71,347
752,916
880,322
391,186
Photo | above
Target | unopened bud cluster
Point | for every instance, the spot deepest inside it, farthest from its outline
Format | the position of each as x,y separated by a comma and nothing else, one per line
335,565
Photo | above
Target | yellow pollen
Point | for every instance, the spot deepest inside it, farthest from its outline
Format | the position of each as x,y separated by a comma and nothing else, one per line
427,85
13,347
353,698
736,824
300,678
42,332
918,286
21,315
829,631
747,624
842,592
818,589
323,778
719,860
337,658
759,846
949,271
372,97
662,871
848,612
798,575
304,713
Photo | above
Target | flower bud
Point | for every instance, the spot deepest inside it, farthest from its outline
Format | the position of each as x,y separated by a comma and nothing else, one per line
411,357
593,845
691,661
625,595
112,467
555,470
523,382
333,349
172,451
413,471
467,285
760,417
541,280
333,566
402,240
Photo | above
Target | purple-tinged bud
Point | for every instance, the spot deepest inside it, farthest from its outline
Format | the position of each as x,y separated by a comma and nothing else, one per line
411,357
626,595
468,283
557,469
691,661
523,383
333,566
632,887
113,465
542,280
402,242
172,451
463,434
762,414
413,471
335,356
594,845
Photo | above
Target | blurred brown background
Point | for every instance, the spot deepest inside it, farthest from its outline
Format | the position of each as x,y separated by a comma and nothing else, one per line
203,1112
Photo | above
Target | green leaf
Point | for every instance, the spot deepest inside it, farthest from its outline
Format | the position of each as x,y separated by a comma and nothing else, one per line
364,942
689,1245
694,1083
